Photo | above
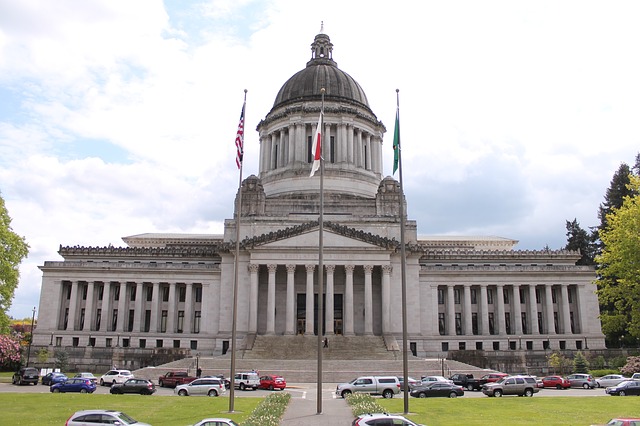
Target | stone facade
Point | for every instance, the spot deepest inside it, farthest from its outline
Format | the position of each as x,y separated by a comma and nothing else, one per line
176,290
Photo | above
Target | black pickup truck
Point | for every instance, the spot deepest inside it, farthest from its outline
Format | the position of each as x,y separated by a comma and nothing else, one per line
467,381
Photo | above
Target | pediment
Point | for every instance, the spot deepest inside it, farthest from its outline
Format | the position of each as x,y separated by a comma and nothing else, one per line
309,240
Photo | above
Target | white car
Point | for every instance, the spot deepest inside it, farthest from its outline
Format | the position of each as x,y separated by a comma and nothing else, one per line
382,419
218,421
112,377
610,380
209,386
428,379
102,417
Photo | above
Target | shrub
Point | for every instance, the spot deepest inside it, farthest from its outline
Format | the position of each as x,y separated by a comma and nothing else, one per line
362,403
603,372
632,366
269,411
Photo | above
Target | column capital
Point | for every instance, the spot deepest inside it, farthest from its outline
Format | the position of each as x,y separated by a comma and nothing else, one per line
386,269
272,267
330,268
500,285
291,268
349,268
253,267
466,285
368,268
310,268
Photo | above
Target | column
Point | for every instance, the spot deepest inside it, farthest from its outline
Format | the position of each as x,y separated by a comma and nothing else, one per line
253,298
582,324
566,317
368,300
73,302
188,309
328,308
517,310
122,300
291,143
309,300
451,311
88,312
273,158
358,148
137,315
326,143
104,316
548,298
533,310
500,323
171,308
368,159
350,131
348,301
468,317
484,309
386,299
271,299
155,297
301,143
291,321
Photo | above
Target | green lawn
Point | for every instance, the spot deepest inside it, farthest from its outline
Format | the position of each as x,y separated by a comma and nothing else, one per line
561,410
54,409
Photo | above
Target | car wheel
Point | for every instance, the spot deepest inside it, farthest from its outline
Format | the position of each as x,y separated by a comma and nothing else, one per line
497,393
598,385
182,392
422,395
528,392
161,383
387,394
114,382
101,382
622,393
212,392
56,390
558,387
271,387
83,391
242,386
453,395
345,393
586,386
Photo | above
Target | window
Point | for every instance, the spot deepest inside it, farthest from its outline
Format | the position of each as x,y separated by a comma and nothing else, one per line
196,322
92,341
505,295
309,147
555,322
176,344
474,296
58,341
490,296
165,293
147,320
150,293
456,296
332,149
98,317
194,345
68,291
132,314
133,293
445,346
496,347
182,293
474,323
75,341
180,321
142,343
573,328
159,343
537,295
523,315
507,322
523,295
82,319
478,346
462,346
100,292
85,288
163,321
441,324
492,329
198,293
440,296
458,323
553,295
540,327
66,318
116,293
125,342
108,342
570,294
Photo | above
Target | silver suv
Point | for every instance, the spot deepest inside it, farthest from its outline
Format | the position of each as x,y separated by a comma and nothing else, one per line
244,381
387,386
511,385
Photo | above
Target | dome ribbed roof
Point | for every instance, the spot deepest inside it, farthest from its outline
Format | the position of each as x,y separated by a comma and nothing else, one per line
321,71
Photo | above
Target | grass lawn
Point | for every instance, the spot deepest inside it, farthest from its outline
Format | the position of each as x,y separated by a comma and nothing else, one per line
561,410
54,409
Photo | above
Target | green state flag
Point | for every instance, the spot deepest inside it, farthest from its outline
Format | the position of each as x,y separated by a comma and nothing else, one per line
396,143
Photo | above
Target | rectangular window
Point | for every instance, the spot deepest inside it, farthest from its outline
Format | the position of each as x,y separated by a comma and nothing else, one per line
537,295
541,329
573,328
553,295
505,295
147,320
523,315
462,346
132,314
108,342
490,296
570,294
165,293
194,345
176,344
555,322
92,341
66,318
492,329
474,323
196,322
85,289
474,296
440,296
142,343
75,341
507,322
82,319
456,296
98,317
309,147
116,293
114,320
523,295
180,321
163,321
125,342
133,293
458,323
69,291
441,324
150,293
332,149
182,293
198,293
159,343
100,292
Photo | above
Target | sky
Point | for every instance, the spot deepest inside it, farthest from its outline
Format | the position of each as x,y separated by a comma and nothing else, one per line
118,117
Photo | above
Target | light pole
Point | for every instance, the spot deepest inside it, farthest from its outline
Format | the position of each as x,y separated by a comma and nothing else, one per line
33,317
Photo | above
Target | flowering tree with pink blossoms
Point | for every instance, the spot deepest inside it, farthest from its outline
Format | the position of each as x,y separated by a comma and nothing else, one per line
10,350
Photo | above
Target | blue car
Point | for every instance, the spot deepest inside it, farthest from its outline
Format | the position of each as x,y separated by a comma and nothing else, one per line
53,378
74,385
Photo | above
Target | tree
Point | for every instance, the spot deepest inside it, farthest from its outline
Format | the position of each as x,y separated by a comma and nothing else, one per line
61,359
632,366
580,363
558,362
13,248
581,240
619,266
10,350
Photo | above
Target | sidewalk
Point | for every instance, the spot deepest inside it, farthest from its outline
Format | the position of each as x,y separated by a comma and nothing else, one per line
302,412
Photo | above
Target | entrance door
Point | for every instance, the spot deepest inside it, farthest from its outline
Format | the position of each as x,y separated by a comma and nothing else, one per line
301,313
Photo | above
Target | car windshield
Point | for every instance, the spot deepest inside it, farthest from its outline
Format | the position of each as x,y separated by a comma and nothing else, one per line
501,380
126,419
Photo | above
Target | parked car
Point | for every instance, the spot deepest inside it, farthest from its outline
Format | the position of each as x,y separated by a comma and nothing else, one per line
624,421
580,380
25,376
610,380
249,380
382,419
272,382
141,386
74,385
467,381
86,375
209,386
512,385
53,378
557,382
387,386
101,417
629,387
436,389
216,422
412,382
428,379
493,377
112,377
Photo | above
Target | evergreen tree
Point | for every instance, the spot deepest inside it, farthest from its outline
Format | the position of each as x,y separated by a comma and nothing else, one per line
615,194
581,240
580,363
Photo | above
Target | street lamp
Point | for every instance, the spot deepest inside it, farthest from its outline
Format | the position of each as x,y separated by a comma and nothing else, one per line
33,317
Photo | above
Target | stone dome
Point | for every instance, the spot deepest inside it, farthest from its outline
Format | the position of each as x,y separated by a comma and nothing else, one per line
321,71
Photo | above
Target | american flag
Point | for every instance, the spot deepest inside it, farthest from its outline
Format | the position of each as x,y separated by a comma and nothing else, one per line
240,139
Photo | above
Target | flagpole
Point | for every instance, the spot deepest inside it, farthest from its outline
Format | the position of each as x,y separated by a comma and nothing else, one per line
320,265
240,154
405,356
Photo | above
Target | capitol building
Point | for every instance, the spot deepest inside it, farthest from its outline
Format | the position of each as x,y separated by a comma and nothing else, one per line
175,292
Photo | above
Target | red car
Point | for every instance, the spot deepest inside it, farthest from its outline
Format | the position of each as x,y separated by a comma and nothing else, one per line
555,382
272,382
493,377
